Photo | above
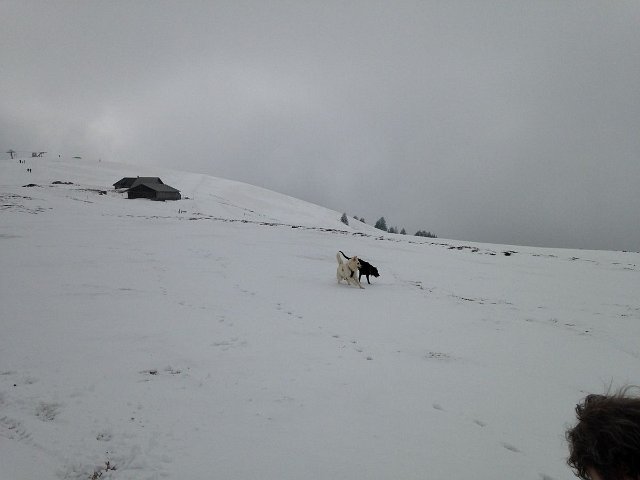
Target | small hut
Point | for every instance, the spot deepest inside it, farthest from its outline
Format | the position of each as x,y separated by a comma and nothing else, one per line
153,191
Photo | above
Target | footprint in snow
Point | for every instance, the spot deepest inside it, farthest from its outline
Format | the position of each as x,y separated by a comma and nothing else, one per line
166,370
441,356
244,290
225,345
105,436
288,311
510,447
355,346
47,412
13,430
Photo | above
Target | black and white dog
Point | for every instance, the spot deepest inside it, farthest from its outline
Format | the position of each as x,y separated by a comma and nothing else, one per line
365,269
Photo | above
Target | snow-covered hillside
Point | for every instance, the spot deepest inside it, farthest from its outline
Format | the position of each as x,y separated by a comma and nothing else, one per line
208,338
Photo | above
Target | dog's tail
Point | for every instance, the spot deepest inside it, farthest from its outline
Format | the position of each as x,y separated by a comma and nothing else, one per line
339,258
348,258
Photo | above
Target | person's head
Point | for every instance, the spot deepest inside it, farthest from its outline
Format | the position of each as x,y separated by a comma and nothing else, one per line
605,443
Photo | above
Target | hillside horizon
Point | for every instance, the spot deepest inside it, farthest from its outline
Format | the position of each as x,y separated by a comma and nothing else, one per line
192,179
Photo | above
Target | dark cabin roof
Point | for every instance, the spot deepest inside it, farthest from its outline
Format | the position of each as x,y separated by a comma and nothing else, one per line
128,182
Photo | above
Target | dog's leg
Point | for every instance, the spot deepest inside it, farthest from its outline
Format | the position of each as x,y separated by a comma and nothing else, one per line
357,283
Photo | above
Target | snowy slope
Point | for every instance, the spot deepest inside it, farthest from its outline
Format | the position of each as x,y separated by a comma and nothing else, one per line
208,338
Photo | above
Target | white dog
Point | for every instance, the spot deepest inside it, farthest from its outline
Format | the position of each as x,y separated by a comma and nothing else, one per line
348,271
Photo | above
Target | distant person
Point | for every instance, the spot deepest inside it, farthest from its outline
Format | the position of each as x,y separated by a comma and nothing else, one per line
605,443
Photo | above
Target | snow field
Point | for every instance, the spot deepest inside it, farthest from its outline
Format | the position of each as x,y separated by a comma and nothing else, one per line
216,342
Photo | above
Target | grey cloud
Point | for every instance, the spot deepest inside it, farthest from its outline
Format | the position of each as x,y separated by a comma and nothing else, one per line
502,122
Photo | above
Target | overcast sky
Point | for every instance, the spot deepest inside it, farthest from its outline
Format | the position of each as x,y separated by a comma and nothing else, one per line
496,121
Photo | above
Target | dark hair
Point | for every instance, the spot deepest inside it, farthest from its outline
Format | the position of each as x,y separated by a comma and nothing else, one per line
606,437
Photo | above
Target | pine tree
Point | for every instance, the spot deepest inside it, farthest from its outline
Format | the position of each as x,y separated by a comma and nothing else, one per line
424,233
381,224
344,219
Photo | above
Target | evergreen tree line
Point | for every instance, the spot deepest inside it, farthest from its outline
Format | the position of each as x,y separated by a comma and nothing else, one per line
381,224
